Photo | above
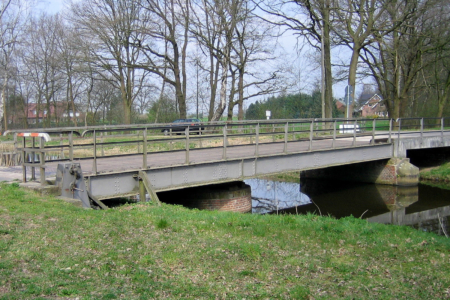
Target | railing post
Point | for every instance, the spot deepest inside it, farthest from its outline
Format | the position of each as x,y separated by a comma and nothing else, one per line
390,130
273,133
17,158
95,152
399,127
373,131
33,154
354,133
421,131
333,145
101,142
224,132
144,149
442,132
138,143
286,131
24,160
61,143
257,140
311,133
42,161
71,146
186,133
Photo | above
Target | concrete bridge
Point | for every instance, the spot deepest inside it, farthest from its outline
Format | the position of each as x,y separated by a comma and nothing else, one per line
142,158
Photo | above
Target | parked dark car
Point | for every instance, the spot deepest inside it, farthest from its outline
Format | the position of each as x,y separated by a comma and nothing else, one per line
180,125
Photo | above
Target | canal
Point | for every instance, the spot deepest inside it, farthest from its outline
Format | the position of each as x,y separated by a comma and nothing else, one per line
423,207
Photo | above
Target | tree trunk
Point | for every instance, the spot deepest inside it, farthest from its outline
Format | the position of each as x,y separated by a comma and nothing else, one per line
241,95
352,77
223,93
3,115
328,77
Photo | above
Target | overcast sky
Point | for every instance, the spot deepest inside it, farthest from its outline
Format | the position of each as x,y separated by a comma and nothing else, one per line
53,6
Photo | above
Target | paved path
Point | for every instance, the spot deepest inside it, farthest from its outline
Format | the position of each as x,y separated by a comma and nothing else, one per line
10,173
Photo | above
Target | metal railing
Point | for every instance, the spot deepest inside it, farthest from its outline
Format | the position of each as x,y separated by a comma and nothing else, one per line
69,144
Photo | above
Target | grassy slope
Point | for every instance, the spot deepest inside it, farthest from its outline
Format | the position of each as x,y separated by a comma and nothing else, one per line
52,250
441,173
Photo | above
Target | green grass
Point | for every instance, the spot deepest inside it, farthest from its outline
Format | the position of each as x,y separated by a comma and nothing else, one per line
52,250
285,177
440,174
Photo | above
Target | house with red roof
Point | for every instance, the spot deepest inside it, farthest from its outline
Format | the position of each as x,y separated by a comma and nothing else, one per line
374,107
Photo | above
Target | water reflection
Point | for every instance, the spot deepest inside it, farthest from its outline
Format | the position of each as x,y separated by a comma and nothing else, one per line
271,196
423,207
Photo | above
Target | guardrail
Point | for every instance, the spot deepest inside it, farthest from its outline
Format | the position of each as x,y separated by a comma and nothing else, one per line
117,141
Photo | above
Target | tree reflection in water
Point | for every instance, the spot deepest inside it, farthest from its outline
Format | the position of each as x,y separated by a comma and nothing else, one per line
423,207
272,196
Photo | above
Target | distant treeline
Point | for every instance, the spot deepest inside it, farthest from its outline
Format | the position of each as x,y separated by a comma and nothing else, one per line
292,106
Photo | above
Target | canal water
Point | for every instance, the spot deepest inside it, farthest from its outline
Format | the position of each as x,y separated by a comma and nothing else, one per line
423,207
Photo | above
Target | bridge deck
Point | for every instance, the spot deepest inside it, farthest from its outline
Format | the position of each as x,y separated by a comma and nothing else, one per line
191,167
198,156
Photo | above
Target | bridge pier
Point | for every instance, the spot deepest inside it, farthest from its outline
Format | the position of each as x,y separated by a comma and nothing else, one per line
394,171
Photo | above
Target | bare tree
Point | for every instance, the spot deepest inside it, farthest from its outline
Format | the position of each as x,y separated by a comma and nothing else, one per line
165,26
70,55
112,25
41,56
12,19
396,59
252,50
311,20
358,20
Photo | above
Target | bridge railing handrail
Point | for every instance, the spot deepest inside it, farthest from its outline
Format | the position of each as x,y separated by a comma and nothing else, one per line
252,132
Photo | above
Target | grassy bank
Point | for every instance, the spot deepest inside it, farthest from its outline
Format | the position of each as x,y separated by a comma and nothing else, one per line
52,250
439,174
285,177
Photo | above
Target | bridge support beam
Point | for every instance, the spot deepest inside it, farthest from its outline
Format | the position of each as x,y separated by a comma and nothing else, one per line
395,171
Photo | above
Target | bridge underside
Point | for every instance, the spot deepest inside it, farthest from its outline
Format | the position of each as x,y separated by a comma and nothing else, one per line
114,185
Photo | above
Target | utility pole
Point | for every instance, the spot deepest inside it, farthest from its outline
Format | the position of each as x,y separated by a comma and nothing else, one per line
196,65
322,67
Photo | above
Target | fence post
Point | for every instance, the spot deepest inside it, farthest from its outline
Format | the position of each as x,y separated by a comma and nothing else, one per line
390,130
311,132
373,131
442,132
333,145
421,131
144,149
273,133
354,133
24,160
186,133
101,142
286,131
257,140
224,131
95,152
42,161
71,146
33,170
61,143
17,158
138,143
